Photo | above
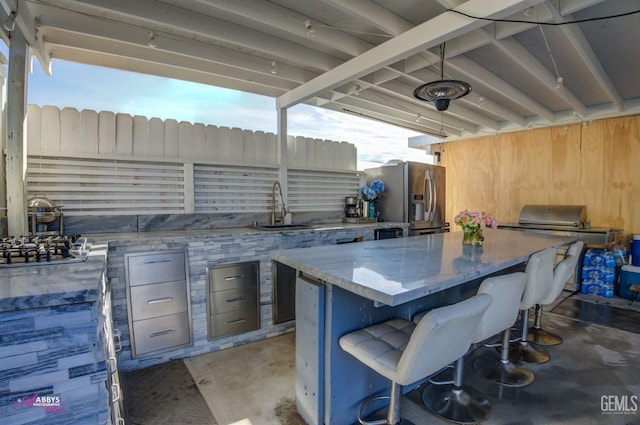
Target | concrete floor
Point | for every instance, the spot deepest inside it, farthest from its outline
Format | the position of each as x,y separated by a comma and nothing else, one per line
254,384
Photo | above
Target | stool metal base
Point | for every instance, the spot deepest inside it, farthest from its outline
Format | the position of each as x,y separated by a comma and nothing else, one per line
528,353
464,405
506,374
541,337
376,419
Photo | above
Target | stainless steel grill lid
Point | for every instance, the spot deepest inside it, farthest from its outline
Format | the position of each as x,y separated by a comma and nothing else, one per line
554,215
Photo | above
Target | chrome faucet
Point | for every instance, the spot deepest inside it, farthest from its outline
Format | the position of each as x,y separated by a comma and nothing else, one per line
277,217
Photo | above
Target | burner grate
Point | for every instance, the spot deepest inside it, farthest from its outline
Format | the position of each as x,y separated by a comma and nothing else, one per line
25,250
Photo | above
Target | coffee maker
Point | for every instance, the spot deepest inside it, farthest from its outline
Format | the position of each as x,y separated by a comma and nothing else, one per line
352,208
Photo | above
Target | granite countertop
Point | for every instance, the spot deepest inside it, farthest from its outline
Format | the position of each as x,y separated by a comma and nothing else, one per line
395,271
178,236
47,285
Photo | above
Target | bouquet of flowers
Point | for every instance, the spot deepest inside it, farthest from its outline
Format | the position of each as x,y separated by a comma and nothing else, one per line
471,223
370,193
474,220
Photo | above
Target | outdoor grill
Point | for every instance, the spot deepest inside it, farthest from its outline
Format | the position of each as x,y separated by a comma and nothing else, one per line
564,220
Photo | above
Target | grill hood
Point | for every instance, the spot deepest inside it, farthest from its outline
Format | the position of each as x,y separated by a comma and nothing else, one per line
554,215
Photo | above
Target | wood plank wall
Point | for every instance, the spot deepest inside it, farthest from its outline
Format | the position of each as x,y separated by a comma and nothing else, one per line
596,165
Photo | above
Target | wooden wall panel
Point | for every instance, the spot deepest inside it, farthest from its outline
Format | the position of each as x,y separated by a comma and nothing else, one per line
596,165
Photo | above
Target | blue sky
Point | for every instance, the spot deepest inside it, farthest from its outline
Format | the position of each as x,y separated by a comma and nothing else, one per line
103,89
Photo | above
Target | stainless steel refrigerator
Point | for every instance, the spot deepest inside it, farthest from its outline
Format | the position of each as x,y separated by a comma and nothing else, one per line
414,193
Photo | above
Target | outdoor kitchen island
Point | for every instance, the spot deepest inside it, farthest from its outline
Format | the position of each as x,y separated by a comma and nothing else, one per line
344,288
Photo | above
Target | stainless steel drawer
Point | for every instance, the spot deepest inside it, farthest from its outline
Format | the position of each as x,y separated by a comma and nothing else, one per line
233,299
159,299
154,268
161,333
233,276
234,322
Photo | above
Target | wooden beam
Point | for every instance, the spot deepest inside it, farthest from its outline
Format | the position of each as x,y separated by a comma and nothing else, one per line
16,158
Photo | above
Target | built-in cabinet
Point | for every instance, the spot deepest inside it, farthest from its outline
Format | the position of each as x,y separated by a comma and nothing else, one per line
158,300
233,299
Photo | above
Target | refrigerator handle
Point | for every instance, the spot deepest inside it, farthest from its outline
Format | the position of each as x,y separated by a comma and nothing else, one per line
428,184
434,198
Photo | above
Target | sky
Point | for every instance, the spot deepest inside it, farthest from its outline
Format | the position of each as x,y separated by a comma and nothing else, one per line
102,89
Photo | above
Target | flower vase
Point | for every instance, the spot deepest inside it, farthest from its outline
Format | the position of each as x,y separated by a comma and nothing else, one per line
365,209
472,236
372,210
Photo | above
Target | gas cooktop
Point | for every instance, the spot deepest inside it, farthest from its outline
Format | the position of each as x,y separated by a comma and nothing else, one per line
41,250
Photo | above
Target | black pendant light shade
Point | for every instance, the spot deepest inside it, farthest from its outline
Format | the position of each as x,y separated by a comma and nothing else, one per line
442,91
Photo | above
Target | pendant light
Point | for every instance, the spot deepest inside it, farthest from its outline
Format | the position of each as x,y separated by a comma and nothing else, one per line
442,91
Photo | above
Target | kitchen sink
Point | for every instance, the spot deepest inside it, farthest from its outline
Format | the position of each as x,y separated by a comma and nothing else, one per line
275,227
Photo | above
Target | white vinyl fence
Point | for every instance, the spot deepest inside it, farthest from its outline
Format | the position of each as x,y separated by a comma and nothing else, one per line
106,163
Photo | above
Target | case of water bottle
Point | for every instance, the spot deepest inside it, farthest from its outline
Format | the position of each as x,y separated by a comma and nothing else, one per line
599,273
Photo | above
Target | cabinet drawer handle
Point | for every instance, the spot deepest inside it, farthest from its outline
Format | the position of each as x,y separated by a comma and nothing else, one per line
165,332
117,342
233,300
240,276
233,322
112,365
160,300
157,260
115,392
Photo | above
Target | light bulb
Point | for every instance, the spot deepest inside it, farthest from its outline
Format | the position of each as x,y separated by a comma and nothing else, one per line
481,102
309,26
152,40
10,23
274,67
559,83
418,117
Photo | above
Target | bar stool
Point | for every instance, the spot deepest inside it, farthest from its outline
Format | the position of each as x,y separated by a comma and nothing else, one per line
461,403
406,353
539,273
536,334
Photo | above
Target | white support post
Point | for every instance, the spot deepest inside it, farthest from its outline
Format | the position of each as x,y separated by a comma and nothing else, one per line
283,157
16,146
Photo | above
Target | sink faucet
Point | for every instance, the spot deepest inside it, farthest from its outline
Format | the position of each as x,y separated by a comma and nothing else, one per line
277,217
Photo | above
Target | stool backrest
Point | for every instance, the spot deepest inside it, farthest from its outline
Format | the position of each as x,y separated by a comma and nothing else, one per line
562,271
539,277
506,293
442,336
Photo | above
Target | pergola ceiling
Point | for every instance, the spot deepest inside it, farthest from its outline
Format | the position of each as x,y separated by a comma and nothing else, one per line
365,57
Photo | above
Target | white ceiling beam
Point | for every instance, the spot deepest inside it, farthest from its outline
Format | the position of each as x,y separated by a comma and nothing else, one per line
391,91
26,24
154,56
372,104
421,37
160,69
374,14
76,30
476,73
531,66
267,14
567,7
169,20
588,56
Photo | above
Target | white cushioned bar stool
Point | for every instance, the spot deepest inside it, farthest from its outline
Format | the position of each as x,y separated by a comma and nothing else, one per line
461,403
405,353
536,334
539,282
